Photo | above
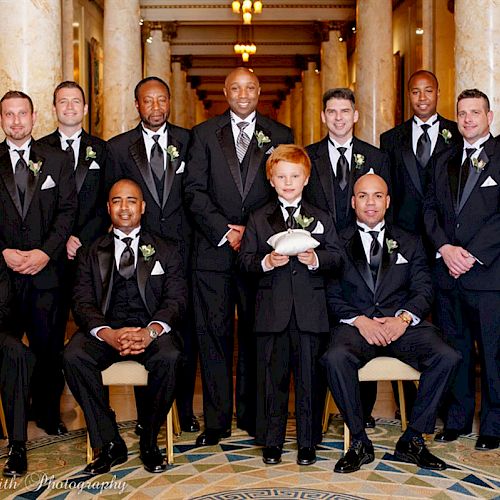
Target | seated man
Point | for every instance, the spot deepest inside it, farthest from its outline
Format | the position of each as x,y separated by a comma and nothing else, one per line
379,298
129,296
16,367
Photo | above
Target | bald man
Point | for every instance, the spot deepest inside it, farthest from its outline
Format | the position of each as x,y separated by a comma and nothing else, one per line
379,299
225,180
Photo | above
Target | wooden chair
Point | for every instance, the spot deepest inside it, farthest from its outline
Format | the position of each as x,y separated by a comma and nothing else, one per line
3,423
133,373
381,368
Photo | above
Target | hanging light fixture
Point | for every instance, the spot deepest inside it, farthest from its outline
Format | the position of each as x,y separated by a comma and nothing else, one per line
245,50
247,8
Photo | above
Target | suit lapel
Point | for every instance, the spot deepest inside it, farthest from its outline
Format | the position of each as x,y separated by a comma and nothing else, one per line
32,179
7,175
225,137
143,270
256,155
105,258
276,220
172,166
388,259
409,160
358,257
83,165
326,176
441,143
354,172
138,152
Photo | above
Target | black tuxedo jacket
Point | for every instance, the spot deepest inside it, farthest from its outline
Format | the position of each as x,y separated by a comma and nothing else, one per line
403,285
292,285
5,296
474,223
92,218
49,208
320,192
408,193
164,295
127,158
215,194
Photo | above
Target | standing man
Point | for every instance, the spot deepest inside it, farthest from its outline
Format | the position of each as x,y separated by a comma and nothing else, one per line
340,158
153,154
462,218
16,366
88,158
129,296
381,298
225,181
38,205
410,147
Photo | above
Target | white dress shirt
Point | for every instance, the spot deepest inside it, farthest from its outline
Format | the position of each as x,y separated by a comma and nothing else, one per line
417,131
249,129
147,135
76,137
14,155
335,155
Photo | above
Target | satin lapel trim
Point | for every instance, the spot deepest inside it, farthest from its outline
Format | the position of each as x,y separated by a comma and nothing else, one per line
276,220
387,260
105,257
138,153
473,179
256,155
224,135
440,143
144,269
453,167
357,254
168,180
7,175
325,173
32,180
83,165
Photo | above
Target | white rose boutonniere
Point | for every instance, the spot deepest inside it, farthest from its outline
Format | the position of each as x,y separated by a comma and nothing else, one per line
90,154
261,138
359,160
172,152
35,167
391,245
446,135
304,221
147,251
478,164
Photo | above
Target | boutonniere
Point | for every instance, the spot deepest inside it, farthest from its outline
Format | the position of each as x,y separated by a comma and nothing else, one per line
35,167
359,160
446,135
172,152
391,245
304,221
261,138
90,154
147,251
478,164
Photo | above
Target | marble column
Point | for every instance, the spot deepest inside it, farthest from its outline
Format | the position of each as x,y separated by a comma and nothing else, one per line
477,51
374,72
296,112
68,59
284,115
201,113
122,65
311,104
30,54
428,39
178,102
333,62
157,54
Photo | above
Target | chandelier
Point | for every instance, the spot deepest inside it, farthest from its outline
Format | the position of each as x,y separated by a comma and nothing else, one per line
245,50
247,7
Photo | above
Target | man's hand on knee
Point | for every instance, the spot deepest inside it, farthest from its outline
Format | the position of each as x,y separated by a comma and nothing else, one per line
112,336
372,331
134,342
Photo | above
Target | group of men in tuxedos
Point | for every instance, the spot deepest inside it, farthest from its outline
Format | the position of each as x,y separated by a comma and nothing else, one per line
163,286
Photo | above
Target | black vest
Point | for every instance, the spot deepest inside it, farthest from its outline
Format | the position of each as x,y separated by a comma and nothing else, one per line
126,307
341,201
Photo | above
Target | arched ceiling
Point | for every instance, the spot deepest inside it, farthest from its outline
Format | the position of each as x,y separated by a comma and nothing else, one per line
287,34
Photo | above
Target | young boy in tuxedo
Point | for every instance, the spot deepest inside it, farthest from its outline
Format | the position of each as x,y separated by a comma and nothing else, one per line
291,317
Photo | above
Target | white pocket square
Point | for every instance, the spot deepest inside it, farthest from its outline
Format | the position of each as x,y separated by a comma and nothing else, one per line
319,229
401,259
181,168
489,182
48,183
94,166
157,269
270,150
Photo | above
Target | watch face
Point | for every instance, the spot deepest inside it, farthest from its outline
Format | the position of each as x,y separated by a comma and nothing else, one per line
153,333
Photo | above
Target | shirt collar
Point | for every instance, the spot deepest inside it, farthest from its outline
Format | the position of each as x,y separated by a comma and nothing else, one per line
75,136
379,227
133,234
336,144
478,144
161,131
250,118
294,203
24,146
431,121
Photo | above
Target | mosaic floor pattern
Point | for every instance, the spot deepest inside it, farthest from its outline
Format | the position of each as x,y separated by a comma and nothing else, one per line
234,470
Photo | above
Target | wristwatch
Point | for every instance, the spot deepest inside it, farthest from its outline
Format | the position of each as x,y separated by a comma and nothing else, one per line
404,316
153,334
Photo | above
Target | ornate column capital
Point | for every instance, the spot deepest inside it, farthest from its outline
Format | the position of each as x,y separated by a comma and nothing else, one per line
168,30
322,28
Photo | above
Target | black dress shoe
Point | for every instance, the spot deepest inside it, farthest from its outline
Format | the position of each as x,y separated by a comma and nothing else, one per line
487,443
16,464
271,455
369,422
211,437
52,428
358,454
111,454
139,430
447,436
306,455
153,460
190,424
415,451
